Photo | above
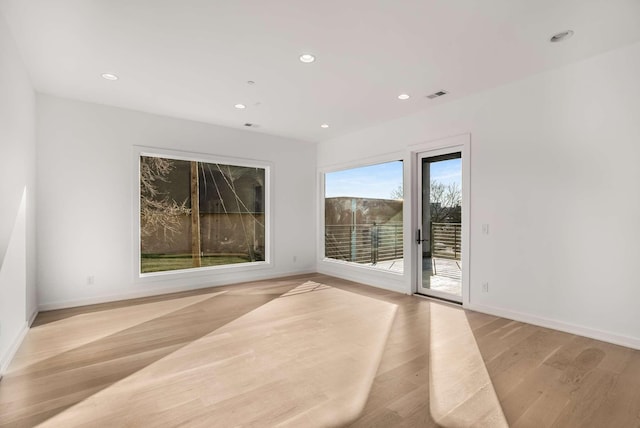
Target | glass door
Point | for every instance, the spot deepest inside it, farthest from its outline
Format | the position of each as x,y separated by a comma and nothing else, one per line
439,234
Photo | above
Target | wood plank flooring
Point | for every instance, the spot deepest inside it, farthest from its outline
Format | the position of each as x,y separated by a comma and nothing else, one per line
68,365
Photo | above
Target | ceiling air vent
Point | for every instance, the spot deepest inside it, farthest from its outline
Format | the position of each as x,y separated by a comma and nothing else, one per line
437,94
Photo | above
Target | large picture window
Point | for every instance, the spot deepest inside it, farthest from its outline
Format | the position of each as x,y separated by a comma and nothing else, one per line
196,214
363,216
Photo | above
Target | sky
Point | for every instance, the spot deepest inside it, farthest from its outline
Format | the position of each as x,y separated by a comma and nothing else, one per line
447,172
380,180
374,181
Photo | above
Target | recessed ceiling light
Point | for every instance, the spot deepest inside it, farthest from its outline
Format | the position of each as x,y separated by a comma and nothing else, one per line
307,58
561,36
403,97
240,106
109,76
324,125
250,82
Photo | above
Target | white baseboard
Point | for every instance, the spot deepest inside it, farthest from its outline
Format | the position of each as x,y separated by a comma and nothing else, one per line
148,292
32,318
5,360
367,276
605,336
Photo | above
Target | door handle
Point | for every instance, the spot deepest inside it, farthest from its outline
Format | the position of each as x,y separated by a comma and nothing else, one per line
418,237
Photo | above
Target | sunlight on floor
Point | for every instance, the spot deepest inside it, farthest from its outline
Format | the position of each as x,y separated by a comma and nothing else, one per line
290,354
460,390
306,288
305,360
57,337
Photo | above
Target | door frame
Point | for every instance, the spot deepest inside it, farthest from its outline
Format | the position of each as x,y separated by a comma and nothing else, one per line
458,143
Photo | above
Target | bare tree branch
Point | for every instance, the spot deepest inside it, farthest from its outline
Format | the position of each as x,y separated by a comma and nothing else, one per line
157,211
397,193
445,202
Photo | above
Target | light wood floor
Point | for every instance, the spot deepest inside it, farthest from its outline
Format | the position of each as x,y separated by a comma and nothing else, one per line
398,360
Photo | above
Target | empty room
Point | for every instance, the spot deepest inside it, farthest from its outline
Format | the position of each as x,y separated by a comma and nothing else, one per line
411,213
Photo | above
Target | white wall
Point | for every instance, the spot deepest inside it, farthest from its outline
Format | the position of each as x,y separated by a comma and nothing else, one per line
85,215
17,178
555,172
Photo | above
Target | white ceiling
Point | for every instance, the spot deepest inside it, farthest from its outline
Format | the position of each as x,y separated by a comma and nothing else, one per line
192,58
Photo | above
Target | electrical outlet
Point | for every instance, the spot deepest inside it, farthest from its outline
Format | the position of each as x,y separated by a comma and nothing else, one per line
485,287
295,259
90,280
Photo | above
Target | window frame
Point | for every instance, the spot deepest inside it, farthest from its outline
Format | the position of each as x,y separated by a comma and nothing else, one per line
267,263
335,266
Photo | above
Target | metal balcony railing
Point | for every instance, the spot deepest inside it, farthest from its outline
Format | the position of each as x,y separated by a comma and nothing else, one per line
369,243
446,240
364,243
